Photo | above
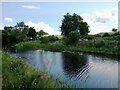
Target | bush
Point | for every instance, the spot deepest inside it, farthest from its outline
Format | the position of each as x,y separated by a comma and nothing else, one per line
25,46
105,35
116,33
73,37
47,39
57,46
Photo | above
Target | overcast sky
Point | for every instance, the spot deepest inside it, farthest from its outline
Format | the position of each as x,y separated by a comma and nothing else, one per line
47,16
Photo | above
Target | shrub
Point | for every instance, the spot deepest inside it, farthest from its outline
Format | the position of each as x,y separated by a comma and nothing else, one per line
47,39
105,35
73,37
25,46
57,46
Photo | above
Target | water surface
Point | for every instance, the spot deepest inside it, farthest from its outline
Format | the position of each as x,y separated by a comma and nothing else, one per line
81,70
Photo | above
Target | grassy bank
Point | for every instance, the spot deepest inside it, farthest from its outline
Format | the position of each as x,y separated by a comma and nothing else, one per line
19,75
25,46
92,46
97,46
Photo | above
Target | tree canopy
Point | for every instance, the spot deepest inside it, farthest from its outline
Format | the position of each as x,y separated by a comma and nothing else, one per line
114,30
74,23
18,33
31,33
41,33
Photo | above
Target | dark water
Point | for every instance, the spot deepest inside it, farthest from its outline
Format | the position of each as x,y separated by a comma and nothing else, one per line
81,70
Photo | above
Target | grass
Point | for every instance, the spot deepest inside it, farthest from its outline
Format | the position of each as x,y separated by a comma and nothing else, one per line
19,75
25,46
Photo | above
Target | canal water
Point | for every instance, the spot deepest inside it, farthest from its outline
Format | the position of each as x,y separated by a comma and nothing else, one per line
81,70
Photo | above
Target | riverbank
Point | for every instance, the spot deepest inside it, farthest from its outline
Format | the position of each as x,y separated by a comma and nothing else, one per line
96,46
19,75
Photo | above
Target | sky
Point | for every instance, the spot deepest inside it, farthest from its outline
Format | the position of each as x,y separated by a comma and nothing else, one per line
48,16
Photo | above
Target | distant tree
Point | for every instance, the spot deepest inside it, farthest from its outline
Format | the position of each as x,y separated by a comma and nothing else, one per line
41,33
20,26
18,33
74,23
32,33
114,30
8,28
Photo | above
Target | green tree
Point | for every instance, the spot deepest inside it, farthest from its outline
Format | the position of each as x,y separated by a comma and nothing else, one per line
114,30
20,26
12,35
32,33
73,37
41,33
74,23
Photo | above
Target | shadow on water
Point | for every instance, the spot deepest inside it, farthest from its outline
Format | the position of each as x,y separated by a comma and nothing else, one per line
74,65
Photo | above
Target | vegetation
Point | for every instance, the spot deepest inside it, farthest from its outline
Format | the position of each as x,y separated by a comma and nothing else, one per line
47,39
114,30
31,33
75,38
19,75
18,33
40,34
25,46
93,46
74,23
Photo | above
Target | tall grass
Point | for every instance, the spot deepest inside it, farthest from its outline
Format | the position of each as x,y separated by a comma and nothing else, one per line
25,46
98,45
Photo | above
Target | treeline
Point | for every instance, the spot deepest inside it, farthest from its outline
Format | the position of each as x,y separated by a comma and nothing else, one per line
74,32
19,33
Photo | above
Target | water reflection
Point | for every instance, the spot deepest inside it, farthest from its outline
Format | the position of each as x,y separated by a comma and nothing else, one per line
82,70
75,65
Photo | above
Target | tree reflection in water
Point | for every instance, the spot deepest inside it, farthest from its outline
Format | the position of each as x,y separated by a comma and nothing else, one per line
75,66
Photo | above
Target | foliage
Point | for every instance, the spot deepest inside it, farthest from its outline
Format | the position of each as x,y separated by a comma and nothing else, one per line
73,37
18,33
114,30
116,34
97,45
19,75
31,33
55,46
25,46
105,35
47,39
73,23
41,33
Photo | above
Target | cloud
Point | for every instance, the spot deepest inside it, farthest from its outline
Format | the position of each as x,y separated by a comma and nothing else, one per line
1,27
102,21
8,19
30,7
42,26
